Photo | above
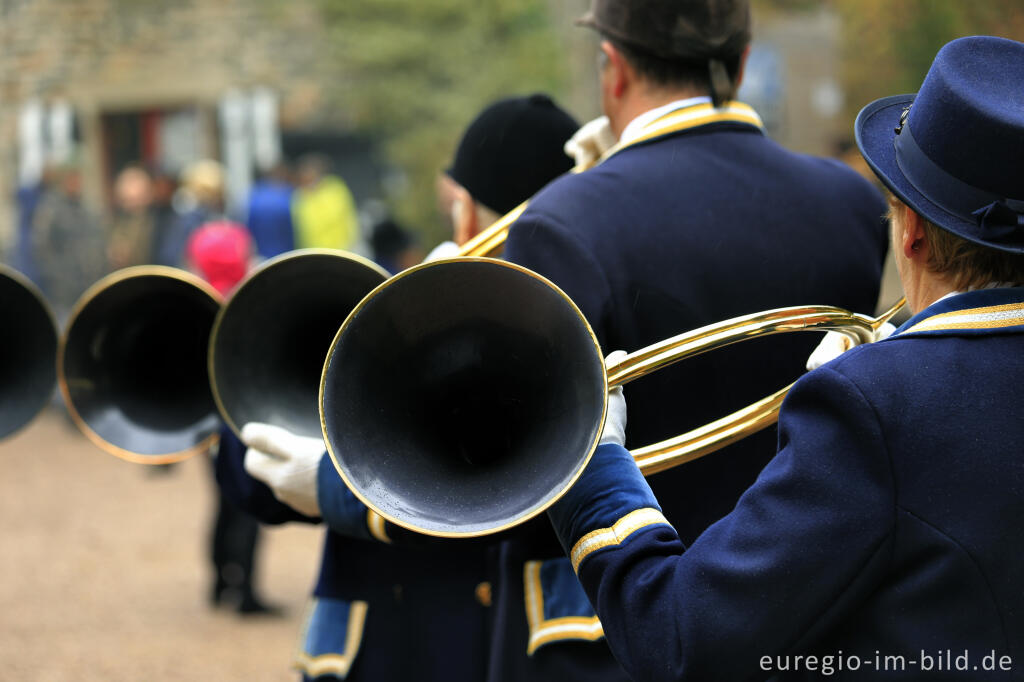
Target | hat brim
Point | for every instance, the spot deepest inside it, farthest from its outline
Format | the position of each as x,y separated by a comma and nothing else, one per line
874,130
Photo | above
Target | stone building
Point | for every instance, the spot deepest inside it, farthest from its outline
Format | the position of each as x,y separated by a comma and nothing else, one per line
110,82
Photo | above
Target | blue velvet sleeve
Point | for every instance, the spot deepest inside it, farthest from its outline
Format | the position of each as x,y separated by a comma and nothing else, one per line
244,491
802,547
342,511
609,490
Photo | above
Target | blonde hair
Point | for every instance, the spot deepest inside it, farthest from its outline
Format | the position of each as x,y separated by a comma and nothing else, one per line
965,264
205,179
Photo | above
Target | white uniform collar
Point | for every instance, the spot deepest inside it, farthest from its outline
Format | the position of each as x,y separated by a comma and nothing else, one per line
635,128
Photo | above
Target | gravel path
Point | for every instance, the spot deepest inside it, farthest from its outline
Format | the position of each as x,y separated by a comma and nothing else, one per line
104,572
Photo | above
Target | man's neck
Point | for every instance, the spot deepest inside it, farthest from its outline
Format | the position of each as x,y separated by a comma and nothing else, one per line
644,100
927,289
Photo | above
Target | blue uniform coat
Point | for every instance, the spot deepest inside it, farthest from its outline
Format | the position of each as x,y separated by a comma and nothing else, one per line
882,542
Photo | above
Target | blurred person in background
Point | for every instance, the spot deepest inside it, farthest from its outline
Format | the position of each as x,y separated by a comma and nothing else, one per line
269,212
323,209
27,200
199,199
164,188
394,247
67,241
130,238
221,252
390,604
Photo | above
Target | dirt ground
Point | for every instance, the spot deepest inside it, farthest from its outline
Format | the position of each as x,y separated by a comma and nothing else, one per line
104,572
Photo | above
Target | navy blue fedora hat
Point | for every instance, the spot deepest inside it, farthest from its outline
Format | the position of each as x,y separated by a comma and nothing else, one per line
954,152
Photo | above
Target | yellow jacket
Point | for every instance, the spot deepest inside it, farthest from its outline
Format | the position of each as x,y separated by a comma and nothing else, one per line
325,215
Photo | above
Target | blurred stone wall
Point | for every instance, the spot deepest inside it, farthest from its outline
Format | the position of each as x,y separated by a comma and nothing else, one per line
120,55
809,116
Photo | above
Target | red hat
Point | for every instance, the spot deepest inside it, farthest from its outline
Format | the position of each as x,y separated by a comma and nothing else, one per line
220,251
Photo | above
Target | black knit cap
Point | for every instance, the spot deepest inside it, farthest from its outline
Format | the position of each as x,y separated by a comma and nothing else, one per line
512,149
689,30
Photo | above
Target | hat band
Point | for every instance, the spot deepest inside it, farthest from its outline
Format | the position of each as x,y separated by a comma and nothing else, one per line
960,199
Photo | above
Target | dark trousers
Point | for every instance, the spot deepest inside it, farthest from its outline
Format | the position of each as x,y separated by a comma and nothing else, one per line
233,551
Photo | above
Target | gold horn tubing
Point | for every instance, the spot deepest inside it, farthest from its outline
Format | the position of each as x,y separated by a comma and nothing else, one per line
720,334
889,314
710,437
715,435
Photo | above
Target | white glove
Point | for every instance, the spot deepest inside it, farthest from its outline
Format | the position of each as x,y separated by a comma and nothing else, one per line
448,249
835,344
591,141
615,420
286,462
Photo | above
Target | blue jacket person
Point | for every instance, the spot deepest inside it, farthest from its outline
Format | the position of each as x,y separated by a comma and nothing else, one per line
883,540
694,216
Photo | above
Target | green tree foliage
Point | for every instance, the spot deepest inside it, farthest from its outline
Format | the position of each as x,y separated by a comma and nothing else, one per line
417,72
888,46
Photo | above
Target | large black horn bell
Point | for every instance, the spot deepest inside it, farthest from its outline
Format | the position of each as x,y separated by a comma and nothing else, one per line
132,364
463,397
28,349
271,337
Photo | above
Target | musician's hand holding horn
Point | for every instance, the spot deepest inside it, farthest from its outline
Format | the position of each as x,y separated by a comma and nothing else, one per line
595,492
834,344
287,463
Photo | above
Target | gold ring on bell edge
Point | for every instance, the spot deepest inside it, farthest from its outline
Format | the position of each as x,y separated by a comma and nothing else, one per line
91,293
527,515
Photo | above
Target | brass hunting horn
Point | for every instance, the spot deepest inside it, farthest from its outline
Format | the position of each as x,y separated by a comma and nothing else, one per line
132,364
28,348
463,397
270,338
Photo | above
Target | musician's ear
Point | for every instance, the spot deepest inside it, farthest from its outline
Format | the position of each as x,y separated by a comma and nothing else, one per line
912,238
616,72
743,67
464,223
